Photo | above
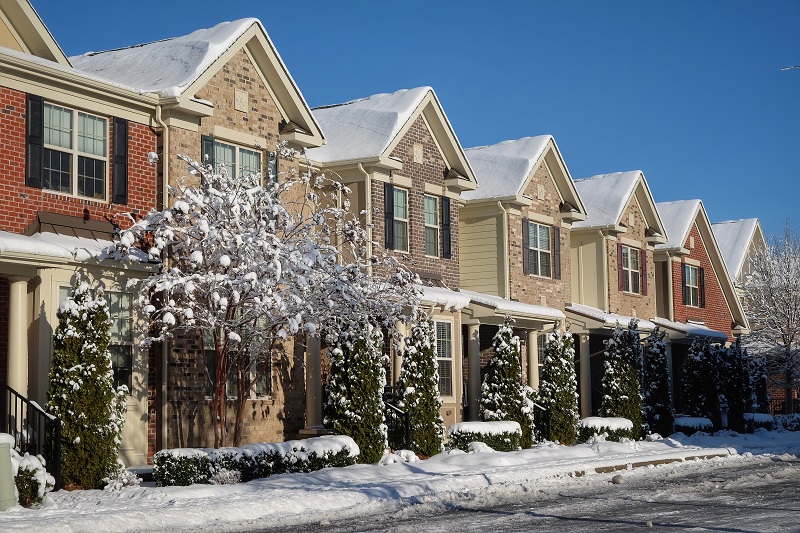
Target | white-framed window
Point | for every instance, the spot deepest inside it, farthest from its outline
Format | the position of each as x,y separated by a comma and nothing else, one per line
444,356
691,285
631,269
236,160
259,379
431,226
539,250
400,219
75,152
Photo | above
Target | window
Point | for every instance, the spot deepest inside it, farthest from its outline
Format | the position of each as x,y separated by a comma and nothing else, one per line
75,158
693,286
538,251
431,226
444,355
400,220
121,338
631,272
210,356
259,381
231,157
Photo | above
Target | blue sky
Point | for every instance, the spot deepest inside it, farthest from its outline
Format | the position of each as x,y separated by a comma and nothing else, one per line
689,92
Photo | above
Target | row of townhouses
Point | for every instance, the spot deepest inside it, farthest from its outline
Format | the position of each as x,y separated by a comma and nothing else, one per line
492,231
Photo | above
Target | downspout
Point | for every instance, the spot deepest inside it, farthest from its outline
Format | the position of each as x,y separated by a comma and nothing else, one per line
606,281
368,209
164,346
506,273
670,296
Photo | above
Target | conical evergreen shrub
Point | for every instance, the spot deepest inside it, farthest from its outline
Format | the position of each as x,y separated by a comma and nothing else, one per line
503,394
759,401
659,415
355,392
558,391
699,386
419,387
621,389
82,392
734,384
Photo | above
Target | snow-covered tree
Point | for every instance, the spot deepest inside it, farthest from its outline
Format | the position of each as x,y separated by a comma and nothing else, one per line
354,405
772,305
757,370
558,390
659,415
734,384
504,396
699,386
248,266
82,392
419,387
621,388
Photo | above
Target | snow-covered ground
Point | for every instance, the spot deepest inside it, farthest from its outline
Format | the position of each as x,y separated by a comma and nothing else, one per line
340,493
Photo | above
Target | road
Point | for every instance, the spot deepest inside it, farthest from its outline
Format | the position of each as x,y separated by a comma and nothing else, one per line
757,495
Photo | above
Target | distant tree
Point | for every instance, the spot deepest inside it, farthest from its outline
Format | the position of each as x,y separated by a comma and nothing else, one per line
621,388
734,384
659,415
772,305
503,394
558,391
699,386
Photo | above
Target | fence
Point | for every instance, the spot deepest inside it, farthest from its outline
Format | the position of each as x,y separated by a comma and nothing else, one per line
397,421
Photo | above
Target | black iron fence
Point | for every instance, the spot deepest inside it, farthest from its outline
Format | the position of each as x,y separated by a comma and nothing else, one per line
397,421
34,430
778,406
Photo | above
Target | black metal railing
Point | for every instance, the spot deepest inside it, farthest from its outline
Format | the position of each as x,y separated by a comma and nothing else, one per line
34,430
398,426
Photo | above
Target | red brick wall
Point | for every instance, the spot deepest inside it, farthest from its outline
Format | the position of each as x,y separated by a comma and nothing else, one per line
716,313
19,203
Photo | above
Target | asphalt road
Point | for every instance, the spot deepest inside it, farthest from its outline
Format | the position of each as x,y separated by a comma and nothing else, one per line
753,496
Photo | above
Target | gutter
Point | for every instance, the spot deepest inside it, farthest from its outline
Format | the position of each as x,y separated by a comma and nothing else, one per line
605,271
164,344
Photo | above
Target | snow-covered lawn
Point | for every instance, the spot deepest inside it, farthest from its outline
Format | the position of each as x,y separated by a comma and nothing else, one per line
337,493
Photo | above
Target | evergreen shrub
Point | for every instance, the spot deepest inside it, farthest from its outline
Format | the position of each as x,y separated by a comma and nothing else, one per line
502,436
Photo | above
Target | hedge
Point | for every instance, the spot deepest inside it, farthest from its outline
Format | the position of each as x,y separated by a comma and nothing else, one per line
502,436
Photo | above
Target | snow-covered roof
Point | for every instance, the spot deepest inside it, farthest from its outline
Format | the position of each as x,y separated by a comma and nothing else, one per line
365,127
734,238
678,218
448,299
166,67
692,330
608,320
502,169
605,196
503,306
57,247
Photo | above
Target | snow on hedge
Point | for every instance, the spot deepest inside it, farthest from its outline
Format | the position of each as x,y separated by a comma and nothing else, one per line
500,435
759,417
485,428
606,422
693,422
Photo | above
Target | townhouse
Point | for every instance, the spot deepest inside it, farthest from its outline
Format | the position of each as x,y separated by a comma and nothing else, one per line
739,241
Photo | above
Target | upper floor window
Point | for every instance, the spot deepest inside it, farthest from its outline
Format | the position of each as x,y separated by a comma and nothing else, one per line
398,218
233,159
693,286
444,357
75,158
630,268
431,226
541,250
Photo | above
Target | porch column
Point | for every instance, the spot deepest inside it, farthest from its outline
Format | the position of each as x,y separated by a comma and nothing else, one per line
533,359
313,382
474,367
585,377
18,334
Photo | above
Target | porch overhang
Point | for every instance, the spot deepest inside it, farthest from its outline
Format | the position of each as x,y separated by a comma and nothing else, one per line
593,319
489,309
677,331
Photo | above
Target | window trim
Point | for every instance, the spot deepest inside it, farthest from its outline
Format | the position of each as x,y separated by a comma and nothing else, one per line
533,228
397,219
451,360
688,288
435,226
628,271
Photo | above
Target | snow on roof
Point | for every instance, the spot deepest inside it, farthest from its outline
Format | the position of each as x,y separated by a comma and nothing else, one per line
56,247
605,196
733,238
502,169
609,320
166,67
365,127
677,218
510,307
448,299
693,330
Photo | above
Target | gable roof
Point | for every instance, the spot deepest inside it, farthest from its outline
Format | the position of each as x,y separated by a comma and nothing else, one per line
369,128
605,197
734,238
22,29
505,169
678,217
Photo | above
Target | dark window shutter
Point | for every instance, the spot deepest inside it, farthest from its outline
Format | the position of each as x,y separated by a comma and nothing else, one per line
35,141
643,267
685,287
272,167
701,281
620,271
446,250
556,252
526,251
207,150
119,186
388,214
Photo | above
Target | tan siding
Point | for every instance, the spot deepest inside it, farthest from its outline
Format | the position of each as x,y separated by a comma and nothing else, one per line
480,254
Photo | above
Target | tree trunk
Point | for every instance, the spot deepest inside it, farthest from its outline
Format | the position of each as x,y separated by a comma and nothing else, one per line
219,398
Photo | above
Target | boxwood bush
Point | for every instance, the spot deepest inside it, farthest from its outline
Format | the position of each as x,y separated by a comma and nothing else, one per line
502,436
754,421
612,428
689,424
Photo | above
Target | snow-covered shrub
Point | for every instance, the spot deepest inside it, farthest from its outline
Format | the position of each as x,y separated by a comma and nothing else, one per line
754,421
699,386
692,424
659,415
223,476
182,466
788,422
82,390
734,384
504,396
123,478
757,366
399,456
609,428
31,479
621,389
419,387
503,436
558,391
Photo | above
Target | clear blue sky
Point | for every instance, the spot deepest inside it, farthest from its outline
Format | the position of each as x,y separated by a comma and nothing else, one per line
689,92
